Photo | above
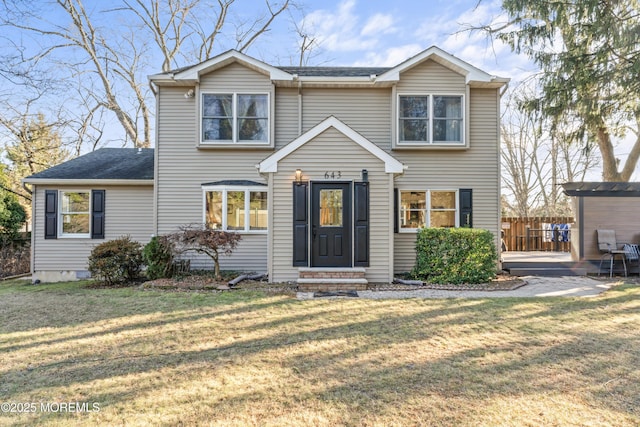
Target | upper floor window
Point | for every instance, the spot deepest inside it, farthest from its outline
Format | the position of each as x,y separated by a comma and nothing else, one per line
241,209
430,119
235,118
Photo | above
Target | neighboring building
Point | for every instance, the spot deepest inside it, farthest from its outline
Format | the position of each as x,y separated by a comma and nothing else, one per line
602,206
316,167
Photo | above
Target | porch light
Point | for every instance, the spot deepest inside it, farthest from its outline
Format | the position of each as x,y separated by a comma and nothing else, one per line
298,176
365,175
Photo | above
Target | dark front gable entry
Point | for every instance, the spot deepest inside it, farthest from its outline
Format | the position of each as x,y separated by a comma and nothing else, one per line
338,235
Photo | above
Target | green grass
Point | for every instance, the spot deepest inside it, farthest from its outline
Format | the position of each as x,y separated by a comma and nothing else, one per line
244,358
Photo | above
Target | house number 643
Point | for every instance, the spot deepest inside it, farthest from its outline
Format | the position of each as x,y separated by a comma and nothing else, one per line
333,175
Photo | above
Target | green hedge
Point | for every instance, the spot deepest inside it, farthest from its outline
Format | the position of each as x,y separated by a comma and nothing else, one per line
455,255
158,255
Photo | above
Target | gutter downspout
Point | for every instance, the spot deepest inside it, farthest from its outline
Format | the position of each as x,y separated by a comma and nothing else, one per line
295,76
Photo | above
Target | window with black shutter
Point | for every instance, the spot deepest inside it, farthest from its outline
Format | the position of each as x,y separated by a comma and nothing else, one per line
97,214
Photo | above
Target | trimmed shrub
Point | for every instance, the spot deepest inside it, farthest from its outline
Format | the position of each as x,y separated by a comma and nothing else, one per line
158,256
201,239
455,256
116,261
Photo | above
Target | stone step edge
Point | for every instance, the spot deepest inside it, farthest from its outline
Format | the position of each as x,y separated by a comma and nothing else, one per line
332,280
332,269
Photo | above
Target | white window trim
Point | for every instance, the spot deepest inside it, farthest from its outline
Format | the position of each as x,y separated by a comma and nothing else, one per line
234,102
63,235
247,203
428,207
429,142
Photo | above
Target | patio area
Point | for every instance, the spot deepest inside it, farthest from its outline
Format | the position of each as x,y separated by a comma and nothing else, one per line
542,264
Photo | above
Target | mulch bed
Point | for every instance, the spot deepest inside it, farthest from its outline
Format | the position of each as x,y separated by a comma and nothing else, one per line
207,283
503,282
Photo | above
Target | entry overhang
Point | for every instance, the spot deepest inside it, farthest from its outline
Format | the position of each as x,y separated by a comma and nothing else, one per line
391,165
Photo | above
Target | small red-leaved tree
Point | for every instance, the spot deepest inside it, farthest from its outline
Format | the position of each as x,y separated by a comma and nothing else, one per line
201,239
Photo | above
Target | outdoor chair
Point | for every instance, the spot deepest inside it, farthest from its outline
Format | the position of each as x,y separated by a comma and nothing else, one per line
632,254
608,247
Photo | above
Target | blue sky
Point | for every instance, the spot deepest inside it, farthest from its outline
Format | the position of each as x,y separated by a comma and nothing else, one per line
377,33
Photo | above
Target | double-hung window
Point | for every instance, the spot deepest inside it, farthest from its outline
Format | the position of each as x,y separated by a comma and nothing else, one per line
75,214
236,208
235,118
428,208
430,119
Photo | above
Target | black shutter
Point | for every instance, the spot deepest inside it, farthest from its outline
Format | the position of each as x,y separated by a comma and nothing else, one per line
466,207
97,214
300,225
396,214
361,224
51,214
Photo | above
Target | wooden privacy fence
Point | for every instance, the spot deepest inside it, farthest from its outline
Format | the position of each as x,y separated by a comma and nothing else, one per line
550,233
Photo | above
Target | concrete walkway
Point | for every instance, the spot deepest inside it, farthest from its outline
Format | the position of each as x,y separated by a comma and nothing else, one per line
567,286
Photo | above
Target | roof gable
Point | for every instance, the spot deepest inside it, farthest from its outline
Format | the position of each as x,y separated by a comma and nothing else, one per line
391,165
472,74
194,73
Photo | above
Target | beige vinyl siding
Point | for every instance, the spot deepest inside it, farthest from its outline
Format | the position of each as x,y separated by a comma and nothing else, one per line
183,168
367,111
331,151
597,215
287,123
235,78
476,168
250,256
431,77
128,211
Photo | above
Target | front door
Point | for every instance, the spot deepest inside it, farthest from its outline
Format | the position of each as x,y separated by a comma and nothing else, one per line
331,224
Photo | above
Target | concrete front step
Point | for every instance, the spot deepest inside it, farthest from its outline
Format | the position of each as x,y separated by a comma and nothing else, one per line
332,279
557,271
319,284
331,273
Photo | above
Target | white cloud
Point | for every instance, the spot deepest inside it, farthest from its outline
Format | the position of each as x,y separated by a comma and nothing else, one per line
346,30
389,57
337,31
378,24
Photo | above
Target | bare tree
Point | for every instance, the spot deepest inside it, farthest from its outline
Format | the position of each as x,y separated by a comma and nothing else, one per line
537,157
111,61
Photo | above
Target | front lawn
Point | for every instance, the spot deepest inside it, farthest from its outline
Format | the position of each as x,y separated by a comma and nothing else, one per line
77,355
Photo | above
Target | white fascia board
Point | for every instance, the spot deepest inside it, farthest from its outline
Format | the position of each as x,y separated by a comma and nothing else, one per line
193,73
391,165
51,181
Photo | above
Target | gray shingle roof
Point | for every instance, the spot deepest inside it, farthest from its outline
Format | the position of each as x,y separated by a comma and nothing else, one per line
335,71
105,163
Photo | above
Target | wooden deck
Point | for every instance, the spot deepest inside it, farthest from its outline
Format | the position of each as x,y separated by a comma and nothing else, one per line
542,264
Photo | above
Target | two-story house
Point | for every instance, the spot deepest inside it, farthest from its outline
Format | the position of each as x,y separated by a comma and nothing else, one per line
319,168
